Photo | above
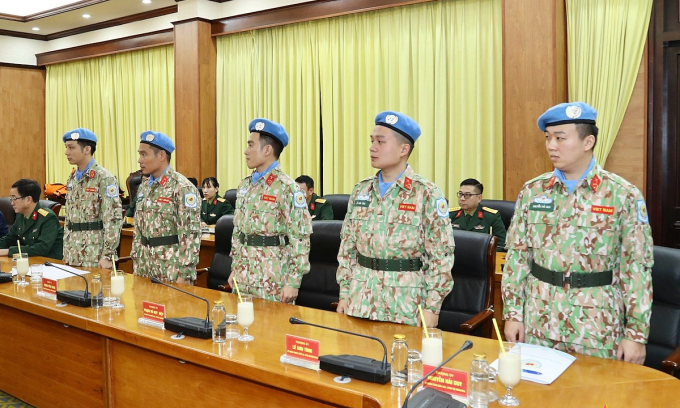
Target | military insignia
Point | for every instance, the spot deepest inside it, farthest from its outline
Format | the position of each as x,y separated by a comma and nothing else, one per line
300,201
35,230
573,111
75,136
43,212
452,209
442,207
163,200
190,200
407,183
270,179
391,119
320,200
361,203
642,211
363,197
459,213
259,126
411,207
34,216
542,207
478,227
595,183
601,209
164,181
480,215
490,210
111,191
543,200
91,174
312,206
551,182
221,200
149,137
270,198
90,190
455,225
212,215
214,202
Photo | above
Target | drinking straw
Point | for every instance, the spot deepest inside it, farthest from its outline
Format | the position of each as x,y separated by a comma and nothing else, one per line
422,317
238,292
19,245
498,333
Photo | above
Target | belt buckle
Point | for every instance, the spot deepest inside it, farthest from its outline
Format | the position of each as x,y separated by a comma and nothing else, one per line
566,282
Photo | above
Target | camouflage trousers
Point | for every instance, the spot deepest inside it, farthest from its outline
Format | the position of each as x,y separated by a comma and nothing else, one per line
572,347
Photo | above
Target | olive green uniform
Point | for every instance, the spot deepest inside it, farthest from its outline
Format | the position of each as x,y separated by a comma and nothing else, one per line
320,209
212,210
484,219
40,234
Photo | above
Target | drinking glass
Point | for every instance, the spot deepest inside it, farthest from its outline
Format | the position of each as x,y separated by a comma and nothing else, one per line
246,317
432,347
21,263
509,371
117,289
36,273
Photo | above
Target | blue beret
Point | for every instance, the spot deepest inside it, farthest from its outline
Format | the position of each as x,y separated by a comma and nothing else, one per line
269,128
400,123
79,134
158,140
571,112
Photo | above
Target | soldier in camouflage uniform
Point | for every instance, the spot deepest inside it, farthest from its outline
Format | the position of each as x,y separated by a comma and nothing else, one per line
578,271
471,216
167,236
270,243
319,208
397,242
93,209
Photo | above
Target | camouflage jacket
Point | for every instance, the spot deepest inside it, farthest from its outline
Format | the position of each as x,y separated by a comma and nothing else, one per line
601,226
94,198
410,221
169,207
274,206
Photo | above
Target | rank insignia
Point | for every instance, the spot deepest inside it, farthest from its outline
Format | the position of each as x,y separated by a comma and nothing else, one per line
270,179
92,173
595,183
407,183
164,181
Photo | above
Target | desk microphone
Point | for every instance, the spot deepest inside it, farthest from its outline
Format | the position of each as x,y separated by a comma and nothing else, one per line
429,398
361,368
73,297
190,326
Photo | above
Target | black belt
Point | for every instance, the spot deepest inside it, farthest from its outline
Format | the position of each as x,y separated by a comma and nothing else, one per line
86,226
391,265
259,240
159,241
575,280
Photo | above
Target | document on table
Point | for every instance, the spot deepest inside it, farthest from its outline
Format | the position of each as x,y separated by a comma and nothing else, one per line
51,272
542,365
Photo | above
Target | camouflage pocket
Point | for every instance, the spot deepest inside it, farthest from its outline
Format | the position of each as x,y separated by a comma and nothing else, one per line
403,279
594,240
538,224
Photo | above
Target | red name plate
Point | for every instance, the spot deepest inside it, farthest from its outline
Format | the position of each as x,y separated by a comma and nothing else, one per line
302,348
448,380
49,286
153,311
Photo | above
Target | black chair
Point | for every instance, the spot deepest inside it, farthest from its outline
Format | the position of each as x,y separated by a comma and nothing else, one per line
319,288
220,267
663,348
505,208
339,203
133,182
230,195
468,309
7,211
52,205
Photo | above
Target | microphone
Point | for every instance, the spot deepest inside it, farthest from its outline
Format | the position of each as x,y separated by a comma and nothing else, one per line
191,326
429,398
73,297
361,368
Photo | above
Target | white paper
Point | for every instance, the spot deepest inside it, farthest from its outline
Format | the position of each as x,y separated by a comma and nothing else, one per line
53,273
542,365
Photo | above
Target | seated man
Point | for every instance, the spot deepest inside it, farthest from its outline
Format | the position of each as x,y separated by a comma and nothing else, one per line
36,228
319,208
3,225
471,216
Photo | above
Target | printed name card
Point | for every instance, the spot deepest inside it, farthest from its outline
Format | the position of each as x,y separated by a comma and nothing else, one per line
302,348
49,286
448,380
154,312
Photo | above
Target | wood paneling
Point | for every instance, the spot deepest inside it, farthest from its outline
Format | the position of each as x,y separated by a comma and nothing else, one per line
22,125
534,79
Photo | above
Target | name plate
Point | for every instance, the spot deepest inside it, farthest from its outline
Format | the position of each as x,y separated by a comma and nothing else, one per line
154,312
447,380
302,348
49,286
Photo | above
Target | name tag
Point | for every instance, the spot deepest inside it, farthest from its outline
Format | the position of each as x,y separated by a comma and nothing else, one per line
361,203
407,207
542,207
164,200
270,198
91,190
601,209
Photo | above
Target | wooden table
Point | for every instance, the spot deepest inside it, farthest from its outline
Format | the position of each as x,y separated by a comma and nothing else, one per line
80,357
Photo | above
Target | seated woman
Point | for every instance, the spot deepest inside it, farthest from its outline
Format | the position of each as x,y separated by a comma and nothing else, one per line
213,206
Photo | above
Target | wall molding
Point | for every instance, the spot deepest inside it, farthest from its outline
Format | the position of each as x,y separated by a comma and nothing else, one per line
50,12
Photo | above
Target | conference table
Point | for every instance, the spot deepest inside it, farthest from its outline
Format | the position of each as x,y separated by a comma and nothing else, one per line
68,356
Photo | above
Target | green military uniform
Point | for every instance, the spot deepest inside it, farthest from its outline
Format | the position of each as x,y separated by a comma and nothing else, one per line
272,210
40,234
167,237
409,223
93,218
130,211
482,220
601,227
320,209
212,210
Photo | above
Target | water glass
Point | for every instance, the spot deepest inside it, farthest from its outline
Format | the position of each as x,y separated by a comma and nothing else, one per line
414,366
36,273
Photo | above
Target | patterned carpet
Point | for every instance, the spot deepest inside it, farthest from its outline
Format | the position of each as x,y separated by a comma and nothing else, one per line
8,401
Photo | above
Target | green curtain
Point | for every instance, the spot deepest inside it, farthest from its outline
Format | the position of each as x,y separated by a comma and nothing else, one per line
117,97
605,42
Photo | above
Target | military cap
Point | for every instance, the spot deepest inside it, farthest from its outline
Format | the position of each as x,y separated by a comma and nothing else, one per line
269,128
570,112
400,123
157,139
80,134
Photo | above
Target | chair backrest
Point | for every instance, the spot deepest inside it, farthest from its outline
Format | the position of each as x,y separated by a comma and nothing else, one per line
319,287
230,195
133,181
664,333
473,275
52,205
220,268
505,208
339,203
7,210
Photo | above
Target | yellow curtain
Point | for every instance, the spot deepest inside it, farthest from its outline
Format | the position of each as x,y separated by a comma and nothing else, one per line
117,97
605,41
274,74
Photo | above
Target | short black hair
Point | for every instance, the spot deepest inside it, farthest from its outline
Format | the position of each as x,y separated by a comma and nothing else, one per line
193,181
586,129
403,139
28,188
156,150
308,181
84,143
273,142
474,183
210,181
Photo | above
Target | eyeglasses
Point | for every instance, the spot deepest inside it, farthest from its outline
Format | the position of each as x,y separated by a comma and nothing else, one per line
467,196
13,199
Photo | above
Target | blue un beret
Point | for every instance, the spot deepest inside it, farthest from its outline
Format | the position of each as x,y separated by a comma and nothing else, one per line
570,112
269,128
158,140
400,123
80,134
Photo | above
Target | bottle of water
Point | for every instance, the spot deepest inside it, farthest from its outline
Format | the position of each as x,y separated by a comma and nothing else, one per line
96,292
219,325
399,361
479,382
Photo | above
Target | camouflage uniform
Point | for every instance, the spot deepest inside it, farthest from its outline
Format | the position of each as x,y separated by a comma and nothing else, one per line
93,199
410,221
320,209
273,207
40,234
601,226
483,220
169,207
212,211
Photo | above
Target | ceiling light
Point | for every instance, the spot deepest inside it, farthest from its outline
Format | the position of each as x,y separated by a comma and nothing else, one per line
146,1
36,28
86,16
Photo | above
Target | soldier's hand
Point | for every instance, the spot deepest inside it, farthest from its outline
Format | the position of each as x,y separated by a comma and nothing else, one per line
431,319
631,351
230,281
105,263
514,331
288,294
342,306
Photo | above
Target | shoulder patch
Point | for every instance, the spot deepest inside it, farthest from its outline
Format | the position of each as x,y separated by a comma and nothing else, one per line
221,200
320,200
299,198
43,212
442,207
642,211
190,200
111,190
490,210
452,209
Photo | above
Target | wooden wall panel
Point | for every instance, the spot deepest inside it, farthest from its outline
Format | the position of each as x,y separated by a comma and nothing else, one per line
22,125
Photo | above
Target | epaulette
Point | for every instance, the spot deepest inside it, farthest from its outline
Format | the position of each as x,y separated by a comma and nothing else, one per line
320,200
43,212
452,209
221,200
490,210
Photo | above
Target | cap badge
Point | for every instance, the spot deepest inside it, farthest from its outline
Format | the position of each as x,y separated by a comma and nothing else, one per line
573,112
391,119
259,126
75,136
150,137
